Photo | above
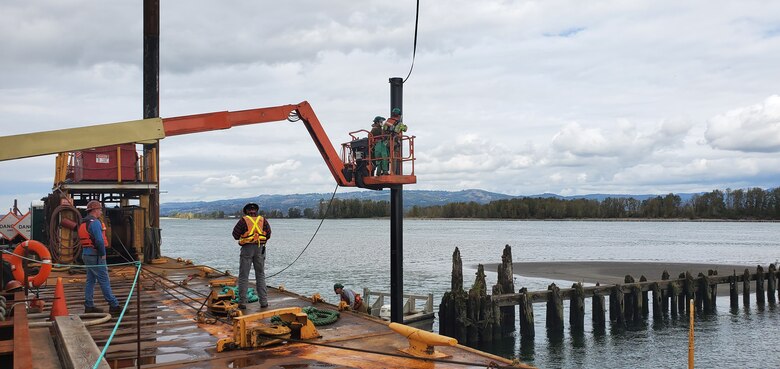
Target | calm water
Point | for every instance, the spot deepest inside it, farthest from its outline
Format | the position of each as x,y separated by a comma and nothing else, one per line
357,253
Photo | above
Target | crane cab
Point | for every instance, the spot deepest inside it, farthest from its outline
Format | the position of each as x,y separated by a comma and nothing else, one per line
365,166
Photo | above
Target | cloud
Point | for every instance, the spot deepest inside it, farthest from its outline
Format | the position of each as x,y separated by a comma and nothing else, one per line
515,97
754,128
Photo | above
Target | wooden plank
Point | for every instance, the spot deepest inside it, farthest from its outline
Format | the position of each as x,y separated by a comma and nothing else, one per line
78,348
22,349
6,346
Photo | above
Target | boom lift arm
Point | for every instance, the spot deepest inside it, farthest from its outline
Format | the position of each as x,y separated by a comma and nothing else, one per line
149,130
226,119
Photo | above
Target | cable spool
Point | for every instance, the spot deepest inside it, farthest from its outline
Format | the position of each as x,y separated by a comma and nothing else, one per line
57,223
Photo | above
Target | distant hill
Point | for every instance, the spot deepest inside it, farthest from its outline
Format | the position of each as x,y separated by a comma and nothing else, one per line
411,198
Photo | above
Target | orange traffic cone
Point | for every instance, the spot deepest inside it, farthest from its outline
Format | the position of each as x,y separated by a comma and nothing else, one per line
58,306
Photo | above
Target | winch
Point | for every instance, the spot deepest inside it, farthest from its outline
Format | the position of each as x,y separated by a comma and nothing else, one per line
250,332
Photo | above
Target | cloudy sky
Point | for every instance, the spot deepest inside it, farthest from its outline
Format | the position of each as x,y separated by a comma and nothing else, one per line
517,97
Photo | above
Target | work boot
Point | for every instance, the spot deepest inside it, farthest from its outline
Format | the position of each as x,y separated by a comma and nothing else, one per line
115,310
92,309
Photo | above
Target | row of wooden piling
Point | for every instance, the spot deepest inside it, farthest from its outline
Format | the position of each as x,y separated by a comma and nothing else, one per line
475,317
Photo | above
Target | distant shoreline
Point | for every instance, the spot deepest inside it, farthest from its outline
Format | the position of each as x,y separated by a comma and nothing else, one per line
605,220
664,220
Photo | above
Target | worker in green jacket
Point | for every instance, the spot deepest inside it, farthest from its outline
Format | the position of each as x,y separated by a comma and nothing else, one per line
380,151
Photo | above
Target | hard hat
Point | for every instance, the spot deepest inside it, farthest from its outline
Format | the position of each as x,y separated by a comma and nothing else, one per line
250,206
13,286
337,286
94,204
378,119
396,111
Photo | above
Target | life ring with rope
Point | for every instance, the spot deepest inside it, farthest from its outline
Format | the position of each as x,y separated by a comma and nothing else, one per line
38,248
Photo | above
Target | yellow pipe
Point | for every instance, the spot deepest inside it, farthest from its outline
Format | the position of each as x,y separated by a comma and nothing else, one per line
690,336
119,164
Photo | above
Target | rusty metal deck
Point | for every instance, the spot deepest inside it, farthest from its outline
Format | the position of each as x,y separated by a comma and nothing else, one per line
171,338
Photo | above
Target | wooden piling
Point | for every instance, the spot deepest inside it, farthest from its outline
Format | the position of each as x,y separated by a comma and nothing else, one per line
598,310
713,290
771,283
645,305
616,305
577,309
760,298
682,301
636,295
689,289
477,310
665,294
554,309
701,291
706,295
629,301
733,291
657,303
674,296
526,315
453,309
506,282
746,288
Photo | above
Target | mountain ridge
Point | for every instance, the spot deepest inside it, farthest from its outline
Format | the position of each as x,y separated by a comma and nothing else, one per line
412,198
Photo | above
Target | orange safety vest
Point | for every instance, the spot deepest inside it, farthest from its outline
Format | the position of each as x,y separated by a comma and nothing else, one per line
86,240
254,233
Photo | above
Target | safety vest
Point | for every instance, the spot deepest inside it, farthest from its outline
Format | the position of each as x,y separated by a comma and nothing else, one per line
84,236
389,125
254,233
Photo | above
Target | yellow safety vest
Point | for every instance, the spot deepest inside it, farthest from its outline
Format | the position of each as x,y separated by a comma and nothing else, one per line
254,233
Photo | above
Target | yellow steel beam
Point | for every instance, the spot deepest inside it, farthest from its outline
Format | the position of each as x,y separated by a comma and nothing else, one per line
71,139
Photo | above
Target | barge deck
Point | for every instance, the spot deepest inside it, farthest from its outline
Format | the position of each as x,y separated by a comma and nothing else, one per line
170,336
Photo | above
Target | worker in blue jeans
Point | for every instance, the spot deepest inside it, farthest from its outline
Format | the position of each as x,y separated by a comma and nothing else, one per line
93,242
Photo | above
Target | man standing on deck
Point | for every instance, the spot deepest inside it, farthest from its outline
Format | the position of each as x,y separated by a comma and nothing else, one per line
93,242
252,232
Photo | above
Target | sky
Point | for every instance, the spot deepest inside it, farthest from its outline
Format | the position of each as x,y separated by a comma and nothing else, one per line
517,97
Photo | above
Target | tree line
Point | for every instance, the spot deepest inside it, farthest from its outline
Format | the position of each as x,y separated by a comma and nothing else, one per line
748,204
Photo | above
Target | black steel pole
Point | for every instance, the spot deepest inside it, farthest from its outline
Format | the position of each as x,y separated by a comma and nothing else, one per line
151,107
396,225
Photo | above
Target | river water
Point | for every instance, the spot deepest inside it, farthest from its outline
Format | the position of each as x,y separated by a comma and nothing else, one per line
356,252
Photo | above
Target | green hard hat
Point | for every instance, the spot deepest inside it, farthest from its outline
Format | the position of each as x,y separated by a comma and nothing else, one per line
378,119
337,286
396,111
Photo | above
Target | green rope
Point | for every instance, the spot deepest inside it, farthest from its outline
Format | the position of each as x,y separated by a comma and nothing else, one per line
251,294
121,315
318,317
